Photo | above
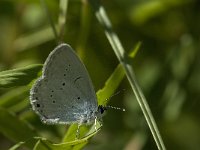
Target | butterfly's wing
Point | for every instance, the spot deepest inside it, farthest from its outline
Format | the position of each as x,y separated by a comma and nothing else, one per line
64,92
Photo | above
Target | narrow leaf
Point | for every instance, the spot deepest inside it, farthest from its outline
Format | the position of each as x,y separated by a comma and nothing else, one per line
16,146
114,80
19,77
14,96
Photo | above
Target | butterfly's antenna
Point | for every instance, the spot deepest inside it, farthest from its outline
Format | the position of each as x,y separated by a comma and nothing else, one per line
114,95
108,106
122,109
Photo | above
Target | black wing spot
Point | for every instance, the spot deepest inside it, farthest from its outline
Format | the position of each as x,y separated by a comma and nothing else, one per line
91,112
78,98
52,91
64,74
67,67
63,84
38,105
51,95
54,101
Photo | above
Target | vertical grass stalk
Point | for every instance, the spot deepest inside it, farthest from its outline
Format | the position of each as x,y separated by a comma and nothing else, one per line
44,5
62,18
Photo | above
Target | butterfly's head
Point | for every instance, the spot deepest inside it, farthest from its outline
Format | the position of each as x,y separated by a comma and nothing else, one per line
101,109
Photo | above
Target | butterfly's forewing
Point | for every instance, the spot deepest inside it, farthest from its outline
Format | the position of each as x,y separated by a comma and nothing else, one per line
65,91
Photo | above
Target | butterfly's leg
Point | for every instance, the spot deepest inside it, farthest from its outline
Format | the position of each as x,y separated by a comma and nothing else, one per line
78,131
95,123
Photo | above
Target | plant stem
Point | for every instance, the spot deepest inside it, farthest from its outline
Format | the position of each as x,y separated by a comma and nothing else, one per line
44,4
62,18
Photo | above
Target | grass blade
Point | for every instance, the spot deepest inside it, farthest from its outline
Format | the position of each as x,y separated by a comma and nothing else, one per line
44,4
62,18
19,77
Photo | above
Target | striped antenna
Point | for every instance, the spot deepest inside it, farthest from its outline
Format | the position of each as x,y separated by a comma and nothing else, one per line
122,109
114,95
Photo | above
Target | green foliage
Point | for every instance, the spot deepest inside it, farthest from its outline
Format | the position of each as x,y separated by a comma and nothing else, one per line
14,128
24,76
113,81
167,68
19,77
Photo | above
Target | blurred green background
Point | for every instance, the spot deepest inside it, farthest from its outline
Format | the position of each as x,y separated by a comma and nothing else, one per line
166,66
